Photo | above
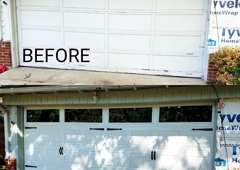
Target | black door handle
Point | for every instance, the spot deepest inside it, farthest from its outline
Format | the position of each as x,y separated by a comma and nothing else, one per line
61,150
152,155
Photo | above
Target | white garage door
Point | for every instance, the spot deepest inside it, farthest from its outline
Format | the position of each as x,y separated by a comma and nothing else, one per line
120,143
139,36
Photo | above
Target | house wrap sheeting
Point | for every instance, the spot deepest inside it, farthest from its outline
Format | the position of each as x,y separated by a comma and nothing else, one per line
224,24
228,135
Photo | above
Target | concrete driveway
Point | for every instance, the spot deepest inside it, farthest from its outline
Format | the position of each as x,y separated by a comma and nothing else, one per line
40,76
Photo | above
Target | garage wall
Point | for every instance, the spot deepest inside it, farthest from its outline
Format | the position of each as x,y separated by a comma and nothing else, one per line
5,20
2,140
5,54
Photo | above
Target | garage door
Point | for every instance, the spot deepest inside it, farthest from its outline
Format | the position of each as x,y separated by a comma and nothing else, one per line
123,139
139,36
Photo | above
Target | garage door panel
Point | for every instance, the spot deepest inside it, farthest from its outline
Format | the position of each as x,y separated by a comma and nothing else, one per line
130,61
45,167
162,162
44,39
95,4
130,5
129,42
200,139
73,147
97,59
118,159
136,29
94,137
51,135
175,63
196,163
46,3
117,138
42,59
185,44
115,168
196,151
137,22
166,150
180,5
140,141
38,18
74,157
33,154
50,155
32,145
73,136
176,21
141,161
84,20
30,136
84,40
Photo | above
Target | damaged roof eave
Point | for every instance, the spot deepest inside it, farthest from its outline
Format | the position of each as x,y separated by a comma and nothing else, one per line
72,88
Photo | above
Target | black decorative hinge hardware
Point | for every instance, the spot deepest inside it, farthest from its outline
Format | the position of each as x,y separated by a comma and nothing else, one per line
114,128
204,129
30,127
96,128
61,150
30,166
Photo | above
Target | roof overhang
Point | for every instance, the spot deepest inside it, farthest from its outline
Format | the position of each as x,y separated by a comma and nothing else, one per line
73,88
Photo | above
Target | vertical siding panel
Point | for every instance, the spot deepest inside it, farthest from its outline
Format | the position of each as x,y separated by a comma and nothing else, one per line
112,98
183,95
103,97
227,93
39,99
196,95
138,97
234,92
129,98
220,92
167,96
33,99
176,95
44,99
52,99
157,96
74,98
82,99
121,98
189,95
69,99
89,98
237,91
148,97
180,94
61,99
206,94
